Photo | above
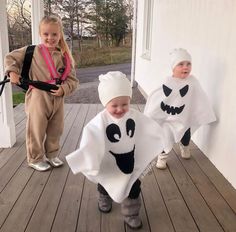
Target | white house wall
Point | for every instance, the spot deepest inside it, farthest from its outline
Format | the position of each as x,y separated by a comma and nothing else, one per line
206,28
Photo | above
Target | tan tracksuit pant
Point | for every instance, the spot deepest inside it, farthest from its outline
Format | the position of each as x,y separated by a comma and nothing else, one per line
45,122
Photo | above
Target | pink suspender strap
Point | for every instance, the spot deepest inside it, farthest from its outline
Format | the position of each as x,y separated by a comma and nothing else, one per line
48,59
50,64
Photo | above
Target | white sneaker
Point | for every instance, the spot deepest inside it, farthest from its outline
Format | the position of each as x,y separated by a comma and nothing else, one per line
184,151
40,166
161,161
55,162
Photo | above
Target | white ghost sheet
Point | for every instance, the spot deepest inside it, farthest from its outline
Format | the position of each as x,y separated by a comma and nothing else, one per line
179,104
115,152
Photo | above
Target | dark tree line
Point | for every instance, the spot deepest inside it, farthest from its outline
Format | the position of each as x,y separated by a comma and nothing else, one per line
108,21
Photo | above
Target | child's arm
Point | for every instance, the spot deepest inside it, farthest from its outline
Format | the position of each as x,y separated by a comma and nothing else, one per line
70,83
14,77
13,64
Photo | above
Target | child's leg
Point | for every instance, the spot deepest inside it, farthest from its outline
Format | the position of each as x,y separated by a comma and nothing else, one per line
104,200
184,145
130,207
186,138
53,134
35,131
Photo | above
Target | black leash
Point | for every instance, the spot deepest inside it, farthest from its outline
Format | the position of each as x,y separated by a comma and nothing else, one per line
25,81
37,84
2,84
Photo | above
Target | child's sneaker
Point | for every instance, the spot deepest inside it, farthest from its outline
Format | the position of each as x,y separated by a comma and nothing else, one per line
104,203
161,161
184,151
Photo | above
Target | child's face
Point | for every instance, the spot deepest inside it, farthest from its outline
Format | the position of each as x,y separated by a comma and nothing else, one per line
118,106
182,69
50,35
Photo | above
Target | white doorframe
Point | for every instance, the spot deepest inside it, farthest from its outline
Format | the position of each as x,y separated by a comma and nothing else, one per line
37,12
7,124
133,83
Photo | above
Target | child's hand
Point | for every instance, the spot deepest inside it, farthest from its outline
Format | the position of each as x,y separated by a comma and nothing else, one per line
14,78
59,92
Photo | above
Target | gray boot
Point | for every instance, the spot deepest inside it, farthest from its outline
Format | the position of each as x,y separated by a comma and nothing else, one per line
104,203
130,209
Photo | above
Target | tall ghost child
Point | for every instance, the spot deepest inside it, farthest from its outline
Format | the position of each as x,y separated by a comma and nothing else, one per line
181,103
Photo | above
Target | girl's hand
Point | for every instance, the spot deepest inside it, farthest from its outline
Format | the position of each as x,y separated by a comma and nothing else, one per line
14,78
58,93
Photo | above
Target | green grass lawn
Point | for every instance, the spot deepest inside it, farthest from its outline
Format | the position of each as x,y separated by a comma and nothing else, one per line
103,56
18,97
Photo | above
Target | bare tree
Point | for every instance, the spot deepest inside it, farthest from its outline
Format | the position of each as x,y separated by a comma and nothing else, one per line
19,23
130,14
109,20
48,6
72,13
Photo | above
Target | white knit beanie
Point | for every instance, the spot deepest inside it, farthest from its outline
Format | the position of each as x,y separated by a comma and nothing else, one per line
178,55
113,84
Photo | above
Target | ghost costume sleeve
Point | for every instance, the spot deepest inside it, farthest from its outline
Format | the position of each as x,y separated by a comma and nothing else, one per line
179,104
88,157
201,110
115,152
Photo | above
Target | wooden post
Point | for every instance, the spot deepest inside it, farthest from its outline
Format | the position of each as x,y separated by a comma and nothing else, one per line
134,34
37,12
7,124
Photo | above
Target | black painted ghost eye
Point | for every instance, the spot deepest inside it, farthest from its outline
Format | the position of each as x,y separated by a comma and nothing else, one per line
130,127
184,90
113,133
167,91
170,109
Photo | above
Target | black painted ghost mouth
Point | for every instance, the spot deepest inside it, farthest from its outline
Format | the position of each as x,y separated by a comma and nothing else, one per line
125,161
171,109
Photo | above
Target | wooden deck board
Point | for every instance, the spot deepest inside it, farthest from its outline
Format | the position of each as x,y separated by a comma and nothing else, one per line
156,211
89,216
200,211
175,203
191,195
219,181
70,200
217,204
44,213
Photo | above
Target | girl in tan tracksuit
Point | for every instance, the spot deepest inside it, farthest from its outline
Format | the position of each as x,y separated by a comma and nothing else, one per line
45,110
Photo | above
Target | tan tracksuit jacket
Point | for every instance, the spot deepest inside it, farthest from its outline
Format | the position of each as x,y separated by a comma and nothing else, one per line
45,112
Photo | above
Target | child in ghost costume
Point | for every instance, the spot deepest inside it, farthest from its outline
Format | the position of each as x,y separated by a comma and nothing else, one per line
116,147
180,102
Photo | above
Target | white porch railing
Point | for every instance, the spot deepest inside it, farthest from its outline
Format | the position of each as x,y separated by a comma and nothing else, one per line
7,124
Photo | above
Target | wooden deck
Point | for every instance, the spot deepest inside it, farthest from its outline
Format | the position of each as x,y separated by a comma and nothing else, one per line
191,195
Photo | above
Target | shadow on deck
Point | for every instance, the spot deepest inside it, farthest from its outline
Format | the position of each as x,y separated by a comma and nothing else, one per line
190,195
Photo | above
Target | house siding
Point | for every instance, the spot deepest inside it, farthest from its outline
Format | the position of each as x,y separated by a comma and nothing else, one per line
206,28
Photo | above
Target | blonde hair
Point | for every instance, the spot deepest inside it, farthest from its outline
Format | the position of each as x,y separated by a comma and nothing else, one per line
62,42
